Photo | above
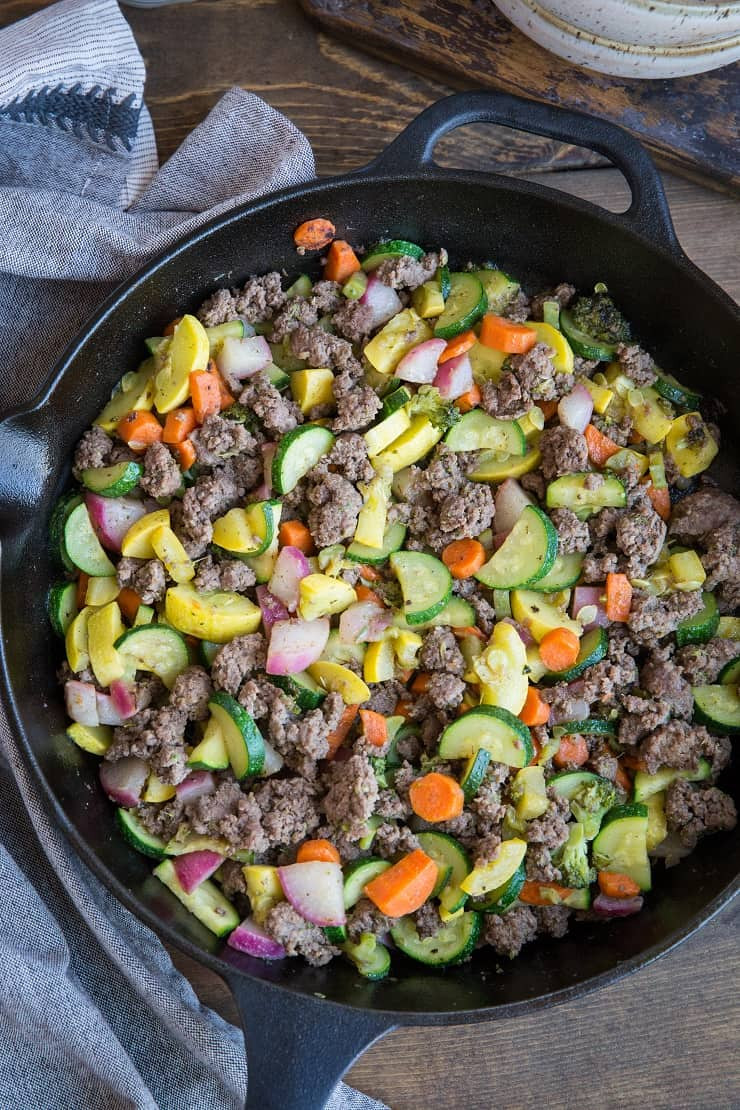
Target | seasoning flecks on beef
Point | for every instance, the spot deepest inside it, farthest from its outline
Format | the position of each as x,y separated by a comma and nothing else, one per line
161,477
654,616
192,689
218,439
278,414
573,534
92,451
440,652
692,811
335,507
298,936
564,451
289,809
636,363
507,933
238,660
409,273
257,300
146,577
351,795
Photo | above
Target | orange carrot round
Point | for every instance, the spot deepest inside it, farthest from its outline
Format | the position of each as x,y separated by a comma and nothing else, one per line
402,709
600,447
374,727
467,401
535,893
535,711
660,500
420,685
404,887
618,597
468,630
549,408
364,593
317,851
504,335
292,533
341,262
178,425
458,346
370,574
616,885
336,738
436,797
573,752
314,235
186,453
139,429
559,649
128,602
464,557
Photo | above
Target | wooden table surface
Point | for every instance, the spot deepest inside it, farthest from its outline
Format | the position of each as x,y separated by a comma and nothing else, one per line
666,1037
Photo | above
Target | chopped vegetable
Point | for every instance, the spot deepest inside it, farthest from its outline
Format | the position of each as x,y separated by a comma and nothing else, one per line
404,887
436,797
559,649
314,235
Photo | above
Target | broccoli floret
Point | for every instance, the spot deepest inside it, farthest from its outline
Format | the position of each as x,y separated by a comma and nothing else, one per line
589,804
573,863
240,414
599,317
427,402
377,762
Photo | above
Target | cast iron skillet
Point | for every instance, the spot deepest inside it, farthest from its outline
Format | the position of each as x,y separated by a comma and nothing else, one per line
304,1026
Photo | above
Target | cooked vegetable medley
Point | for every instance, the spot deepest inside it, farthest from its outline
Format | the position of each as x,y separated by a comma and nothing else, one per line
399,608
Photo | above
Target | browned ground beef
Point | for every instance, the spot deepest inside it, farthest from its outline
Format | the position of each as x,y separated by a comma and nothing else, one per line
508,933
701,663
573,534
257,300
651,618
408,273
335,508
161,477
218,439
237,660
563,451
146,577
278,414
92,451
692,811
636,363
298,936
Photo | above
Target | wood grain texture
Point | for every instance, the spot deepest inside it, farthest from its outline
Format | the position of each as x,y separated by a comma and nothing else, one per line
690,123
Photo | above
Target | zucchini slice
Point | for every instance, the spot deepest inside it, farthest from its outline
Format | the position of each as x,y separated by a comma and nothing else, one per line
474,773
426,585
136,835
357,875
297,453
113,481
452,861
59,515
211,753
477,431
207,903
156,648
392,541
306,693
700,628
500,899
621,843
594,726
371,958
83,547
680,395
61,605
464,305
243,739
594,647
573,491
497,730
498,287
730,673
245,533
718,707
583,344
565,572
493,467
393,248
645,785
457,613
526,555
452,944
394,401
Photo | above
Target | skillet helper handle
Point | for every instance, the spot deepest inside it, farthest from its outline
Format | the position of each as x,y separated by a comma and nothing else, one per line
648,214
298,1046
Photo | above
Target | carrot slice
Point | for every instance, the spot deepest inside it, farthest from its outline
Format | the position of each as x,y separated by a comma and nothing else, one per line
341,262
468,630
622,779
139,430
616,885
559,649
205,394
370,574
336,738
364,593
458,346
470,400
186,453
535,711
464,557
226,397
600,447
436,797
82,582
402,709
313,235
404,887
618,597
573,752
535,893
549,408
420,685
292,533
504,335
317,851
178,425
374,727
128,602
661,501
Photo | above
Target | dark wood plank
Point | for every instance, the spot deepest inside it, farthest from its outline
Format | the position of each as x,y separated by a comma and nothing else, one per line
690,123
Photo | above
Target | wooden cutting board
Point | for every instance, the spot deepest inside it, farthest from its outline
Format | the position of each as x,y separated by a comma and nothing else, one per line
690,124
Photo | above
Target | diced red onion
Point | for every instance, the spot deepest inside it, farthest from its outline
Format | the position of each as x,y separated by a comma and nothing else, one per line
123,698
107,712
79,697
524,634
590,596
251,938
420,364
272,608
575,408
291,566
616,907
316,890
295,645
241,358
124,781
111,517
273,761
195,786
576,709
193,868
454,377
510,501
364,622
382,300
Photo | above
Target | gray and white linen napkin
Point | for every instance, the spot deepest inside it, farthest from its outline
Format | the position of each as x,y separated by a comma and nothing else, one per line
92,1012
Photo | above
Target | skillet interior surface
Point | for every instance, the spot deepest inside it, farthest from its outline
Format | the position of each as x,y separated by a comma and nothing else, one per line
542,238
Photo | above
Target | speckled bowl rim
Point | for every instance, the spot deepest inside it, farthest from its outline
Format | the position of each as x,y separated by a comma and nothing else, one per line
717,46
702,10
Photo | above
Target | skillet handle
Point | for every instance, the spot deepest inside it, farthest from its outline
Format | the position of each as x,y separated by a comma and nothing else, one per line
298,1046
648,214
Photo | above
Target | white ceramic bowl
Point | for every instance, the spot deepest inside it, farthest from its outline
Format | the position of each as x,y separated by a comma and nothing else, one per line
620,59
650,22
